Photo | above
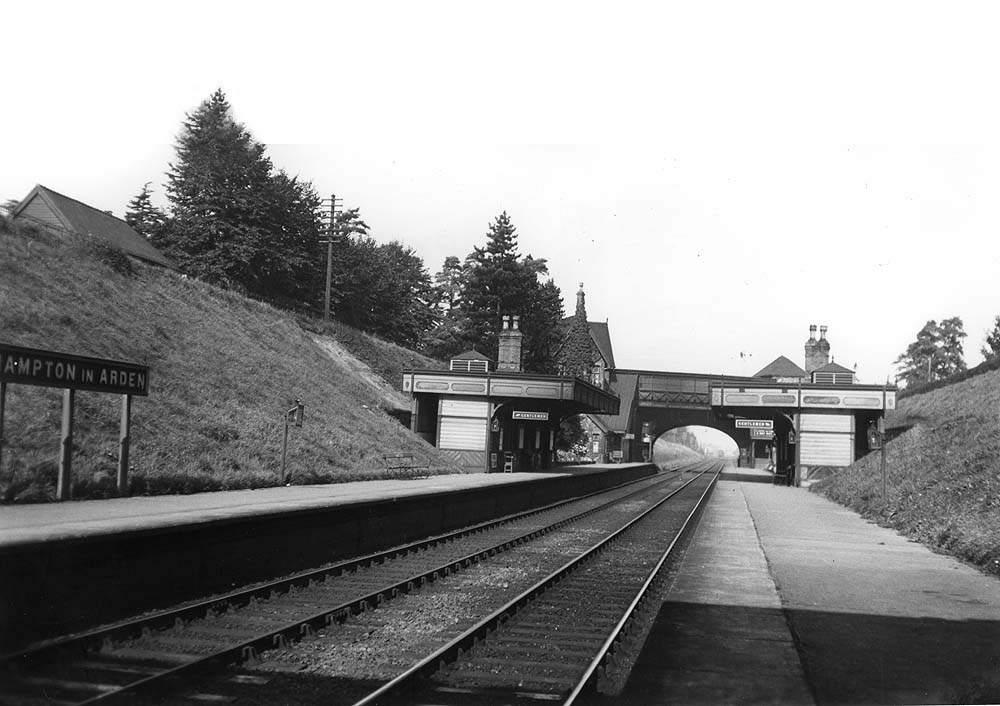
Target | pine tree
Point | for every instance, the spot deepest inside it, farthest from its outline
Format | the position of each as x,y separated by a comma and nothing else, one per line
147,220
498,283
448,284
235,222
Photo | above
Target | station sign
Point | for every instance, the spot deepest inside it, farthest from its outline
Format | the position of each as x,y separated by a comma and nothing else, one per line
530,416
755,424
761,434
31,366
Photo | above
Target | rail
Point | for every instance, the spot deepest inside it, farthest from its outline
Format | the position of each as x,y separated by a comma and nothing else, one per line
72,647
398,690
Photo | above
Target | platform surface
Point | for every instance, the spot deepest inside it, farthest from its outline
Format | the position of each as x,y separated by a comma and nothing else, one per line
21,524
785,597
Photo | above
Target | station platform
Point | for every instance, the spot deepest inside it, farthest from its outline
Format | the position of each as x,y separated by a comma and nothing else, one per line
784,597
52,522
66,567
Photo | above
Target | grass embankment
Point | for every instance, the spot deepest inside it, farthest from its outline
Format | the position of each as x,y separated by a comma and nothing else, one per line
943,474
667,454
223,369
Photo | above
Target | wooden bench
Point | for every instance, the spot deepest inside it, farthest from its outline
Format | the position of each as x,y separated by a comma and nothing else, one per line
403,462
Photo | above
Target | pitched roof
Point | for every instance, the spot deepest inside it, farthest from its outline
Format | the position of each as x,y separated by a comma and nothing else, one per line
781,367
471,355
600,333
626,386
833,368
80,218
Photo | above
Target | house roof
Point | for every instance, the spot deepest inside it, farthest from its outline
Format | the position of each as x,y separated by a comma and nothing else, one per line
833,368
471,355
80,218
781,367
600,333
626,386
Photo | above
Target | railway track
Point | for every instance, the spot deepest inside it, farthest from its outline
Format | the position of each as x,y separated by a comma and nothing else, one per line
113,664
570,635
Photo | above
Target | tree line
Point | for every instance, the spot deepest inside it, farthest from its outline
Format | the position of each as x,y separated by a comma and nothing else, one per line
235,220
937,353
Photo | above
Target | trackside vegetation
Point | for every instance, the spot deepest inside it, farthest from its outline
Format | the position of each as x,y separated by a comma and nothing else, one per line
223,369
942,483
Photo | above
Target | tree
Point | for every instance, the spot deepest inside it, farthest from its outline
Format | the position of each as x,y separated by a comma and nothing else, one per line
234,221
991,346
496,284
147,220
498,281
540,320
579,350
382,289
448,284
937,353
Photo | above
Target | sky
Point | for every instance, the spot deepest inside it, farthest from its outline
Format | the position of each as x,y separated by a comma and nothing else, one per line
718,175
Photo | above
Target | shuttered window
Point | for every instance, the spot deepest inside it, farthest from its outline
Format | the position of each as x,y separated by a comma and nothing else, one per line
463,425
826,439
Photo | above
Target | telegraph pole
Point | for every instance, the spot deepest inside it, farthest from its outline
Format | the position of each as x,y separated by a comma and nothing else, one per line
331,233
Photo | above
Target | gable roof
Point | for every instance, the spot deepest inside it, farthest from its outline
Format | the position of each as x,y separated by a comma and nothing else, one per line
781,367
601,335
78,217
471,355
833,368
626,386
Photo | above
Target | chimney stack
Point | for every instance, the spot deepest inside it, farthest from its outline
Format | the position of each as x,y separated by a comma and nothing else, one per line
510,345
814,356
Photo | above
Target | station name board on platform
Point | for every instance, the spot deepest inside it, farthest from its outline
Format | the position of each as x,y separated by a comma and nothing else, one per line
530,416
30,366
754,424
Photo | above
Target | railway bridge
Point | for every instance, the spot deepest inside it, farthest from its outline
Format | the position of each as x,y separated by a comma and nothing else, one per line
808,421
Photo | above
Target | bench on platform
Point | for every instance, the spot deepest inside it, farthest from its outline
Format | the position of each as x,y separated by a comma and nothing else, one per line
404,462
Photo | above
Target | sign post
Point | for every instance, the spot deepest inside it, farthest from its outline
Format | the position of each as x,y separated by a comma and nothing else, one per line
124,438
294,415
32,366
3,404
64,482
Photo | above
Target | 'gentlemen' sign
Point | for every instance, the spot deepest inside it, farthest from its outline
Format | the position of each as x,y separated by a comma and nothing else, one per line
754,424
29,366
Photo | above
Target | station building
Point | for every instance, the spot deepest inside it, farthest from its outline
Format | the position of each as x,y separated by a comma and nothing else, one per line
493,417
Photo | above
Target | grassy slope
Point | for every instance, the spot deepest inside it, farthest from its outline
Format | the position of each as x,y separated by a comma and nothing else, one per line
943,475
223,369
667,454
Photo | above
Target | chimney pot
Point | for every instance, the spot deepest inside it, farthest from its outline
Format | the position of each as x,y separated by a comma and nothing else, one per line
517,322
822,332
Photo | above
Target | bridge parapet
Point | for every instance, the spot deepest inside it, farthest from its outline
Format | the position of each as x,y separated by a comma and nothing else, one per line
764,394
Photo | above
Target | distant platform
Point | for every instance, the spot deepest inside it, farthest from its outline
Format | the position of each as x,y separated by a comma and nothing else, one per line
747,475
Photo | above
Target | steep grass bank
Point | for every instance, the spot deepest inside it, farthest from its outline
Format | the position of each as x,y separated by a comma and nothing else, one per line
222,370
943,474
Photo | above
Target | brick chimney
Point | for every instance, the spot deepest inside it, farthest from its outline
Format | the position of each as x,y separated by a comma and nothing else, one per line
814,356
823,345
510,345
